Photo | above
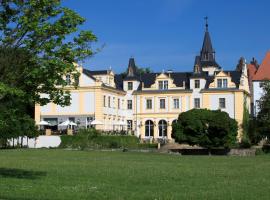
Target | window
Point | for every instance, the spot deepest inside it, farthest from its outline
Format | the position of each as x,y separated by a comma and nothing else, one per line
123,103
149,128
222,103
197,103
68,81
130,85
104,101
222,83
118,103
225,83
113,102
162,104
176,103
148,103
160,85
129,125
163,85
71,119
219,83
197,83
162,128
129,104
109,101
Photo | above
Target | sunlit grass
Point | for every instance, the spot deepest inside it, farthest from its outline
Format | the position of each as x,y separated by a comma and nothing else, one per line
63,174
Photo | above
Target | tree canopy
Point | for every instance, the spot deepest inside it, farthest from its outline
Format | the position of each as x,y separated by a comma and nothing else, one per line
45,37
206,128
263,117
40,41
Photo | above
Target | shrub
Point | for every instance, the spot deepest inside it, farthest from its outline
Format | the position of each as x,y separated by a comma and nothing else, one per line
245,143
205,128
266,148
91,138
253,133
259,152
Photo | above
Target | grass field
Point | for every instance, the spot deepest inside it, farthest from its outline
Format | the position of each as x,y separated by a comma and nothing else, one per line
63,174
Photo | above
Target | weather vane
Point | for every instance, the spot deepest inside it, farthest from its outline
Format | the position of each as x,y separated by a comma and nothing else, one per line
206,22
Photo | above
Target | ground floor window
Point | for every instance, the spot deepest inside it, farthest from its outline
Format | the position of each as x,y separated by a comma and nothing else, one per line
174,121
162,128
149,128
71,119
129,125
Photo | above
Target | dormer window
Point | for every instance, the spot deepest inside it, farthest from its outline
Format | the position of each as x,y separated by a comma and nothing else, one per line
68,81
225,83
163,85
219,83
222,83
197,83
130,85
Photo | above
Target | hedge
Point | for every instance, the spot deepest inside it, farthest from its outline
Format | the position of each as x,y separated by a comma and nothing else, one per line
95,140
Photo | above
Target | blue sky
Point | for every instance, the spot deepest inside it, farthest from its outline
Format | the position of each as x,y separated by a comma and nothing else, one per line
167,34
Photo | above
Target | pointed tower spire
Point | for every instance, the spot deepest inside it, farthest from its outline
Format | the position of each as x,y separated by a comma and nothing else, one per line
131,67
207,52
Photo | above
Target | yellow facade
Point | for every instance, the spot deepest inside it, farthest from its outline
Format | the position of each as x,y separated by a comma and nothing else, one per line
148,104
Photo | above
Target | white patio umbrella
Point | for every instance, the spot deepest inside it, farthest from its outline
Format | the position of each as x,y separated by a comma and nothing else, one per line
96,122
65,123
68,123
72,124
44,123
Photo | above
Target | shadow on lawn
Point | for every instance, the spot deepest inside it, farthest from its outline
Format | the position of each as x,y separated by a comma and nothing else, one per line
21,173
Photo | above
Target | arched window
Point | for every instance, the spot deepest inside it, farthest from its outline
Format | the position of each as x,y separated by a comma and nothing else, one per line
174,121
162,128
149,128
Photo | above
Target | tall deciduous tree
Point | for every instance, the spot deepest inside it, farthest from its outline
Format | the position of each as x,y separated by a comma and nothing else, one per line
46,34
263,118
39,43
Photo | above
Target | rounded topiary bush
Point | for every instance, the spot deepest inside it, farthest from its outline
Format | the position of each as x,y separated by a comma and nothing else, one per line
206,128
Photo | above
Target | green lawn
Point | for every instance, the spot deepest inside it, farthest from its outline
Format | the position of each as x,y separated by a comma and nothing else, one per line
63,174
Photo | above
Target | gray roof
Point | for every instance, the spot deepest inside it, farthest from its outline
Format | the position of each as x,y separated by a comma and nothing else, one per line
87,73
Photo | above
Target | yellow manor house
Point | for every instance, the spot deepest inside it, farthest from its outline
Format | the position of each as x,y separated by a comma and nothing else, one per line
148,104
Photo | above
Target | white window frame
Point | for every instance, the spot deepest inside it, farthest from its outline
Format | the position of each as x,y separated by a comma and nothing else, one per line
220,103
223,83
130,84
160,104
151,104
195,103
129,104
163,85
176,103
198,85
